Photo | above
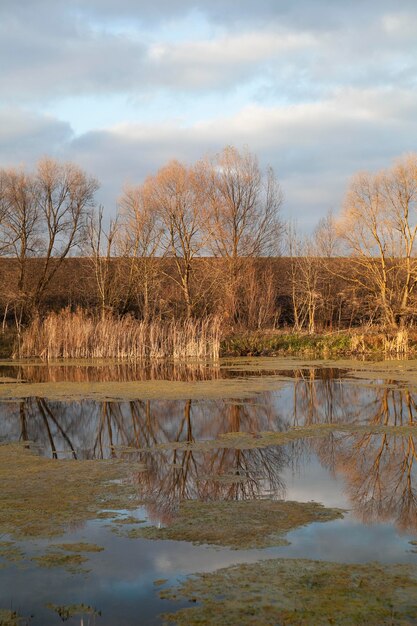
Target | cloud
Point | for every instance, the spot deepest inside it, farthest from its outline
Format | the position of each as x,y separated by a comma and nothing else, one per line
314,148
50,50
318,15
26,136
318,89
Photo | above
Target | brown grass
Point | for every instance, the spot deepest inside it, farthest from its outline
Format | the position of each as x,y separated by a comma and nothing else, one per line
81,335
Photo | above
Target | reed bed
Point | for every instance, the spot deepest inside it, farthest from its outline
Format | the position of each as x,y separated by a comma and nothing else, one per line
81,335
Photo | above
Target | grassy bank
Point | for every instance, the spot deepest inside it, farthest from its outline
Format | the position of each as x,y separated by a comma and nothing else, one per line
337,344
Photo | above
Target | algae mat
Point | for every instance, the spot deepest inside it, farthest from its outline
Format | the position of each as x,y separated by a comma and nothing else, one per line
258,375
299,593
145,390
238,524
42,497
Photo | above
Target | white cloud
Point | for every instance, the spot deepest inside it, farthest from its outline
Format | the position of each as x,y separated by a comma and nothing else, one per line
315,148
319,90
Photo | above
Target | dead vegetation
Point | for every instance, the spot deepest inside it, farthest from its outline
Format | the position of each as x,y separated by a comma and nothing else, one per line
81,335
298,592
239,525
43,498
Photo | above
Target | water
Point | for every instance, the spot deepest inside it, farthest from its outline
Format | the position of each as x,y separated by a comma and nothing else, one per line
372,476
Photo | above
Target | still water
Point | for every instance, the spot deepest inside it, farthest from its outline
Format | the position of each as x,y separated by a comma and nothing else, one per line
371,476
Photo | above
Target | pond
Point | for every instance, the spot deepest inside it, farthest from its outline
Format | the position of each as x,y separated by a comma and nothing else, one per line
121,481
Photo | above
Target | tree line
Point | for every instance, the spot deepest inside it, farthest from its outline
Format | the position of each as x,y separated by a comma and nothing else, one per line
209,238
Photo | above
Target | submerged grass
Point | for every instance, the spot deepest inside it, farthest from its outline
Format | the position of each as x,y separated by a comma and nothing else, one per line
299,592
43,498
66,611
10,552
11,618
238,524
78,547
72,563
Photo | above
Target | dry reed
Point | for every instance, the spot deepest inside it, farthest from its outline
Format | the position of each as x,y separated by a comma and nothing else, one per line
390,343
80,335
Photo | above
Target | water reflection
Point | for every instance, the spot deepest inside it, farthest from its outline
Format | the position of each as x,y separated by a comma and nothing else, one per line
378,470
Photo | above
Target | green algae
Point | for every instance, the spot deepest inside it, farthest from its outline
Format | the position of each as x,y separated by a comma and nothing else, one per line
238,524
298,592
43,498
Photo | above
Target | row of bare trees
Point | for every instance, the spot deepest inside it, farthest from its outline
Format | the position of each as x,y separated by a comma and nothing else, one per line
42,214
361,266
224,208
192,240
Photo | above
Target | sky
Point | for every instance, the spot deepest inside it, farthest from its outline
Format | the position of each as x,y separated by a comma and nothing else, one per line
318,89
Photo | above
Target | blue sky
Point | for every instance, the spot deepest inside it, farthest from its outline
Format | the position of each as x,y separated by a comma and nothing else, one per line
318,89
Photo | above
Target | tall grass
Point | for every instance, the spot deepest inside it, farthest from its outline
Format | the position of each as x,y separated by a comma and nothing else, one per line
80,335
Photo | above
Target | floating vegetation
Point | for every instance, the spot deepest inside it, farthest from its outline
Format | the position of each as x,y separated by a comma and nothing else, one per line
70,562
128,521
66,611
145,390
107,515
78,547
11,618
247,441
257,375
298,592
10,552
238,524
42,497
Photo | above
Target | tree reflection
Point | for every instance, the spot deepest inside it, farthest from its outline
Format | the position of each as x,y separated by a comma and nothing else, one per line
380,470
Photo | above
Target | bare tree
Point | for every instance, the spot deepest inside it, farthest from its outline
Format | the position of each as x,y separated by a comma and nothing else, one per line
244,218
304,279
244,206
177,193
101,242
45,216
66,194
20,232
379,227
139,244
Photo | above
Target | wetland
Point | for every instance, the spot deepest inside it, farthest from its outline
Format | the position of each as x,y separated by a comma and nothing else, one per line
256,490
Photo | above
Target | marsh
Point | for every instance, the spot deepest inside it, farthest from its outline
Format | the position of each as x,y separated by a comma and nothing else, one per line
137,492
